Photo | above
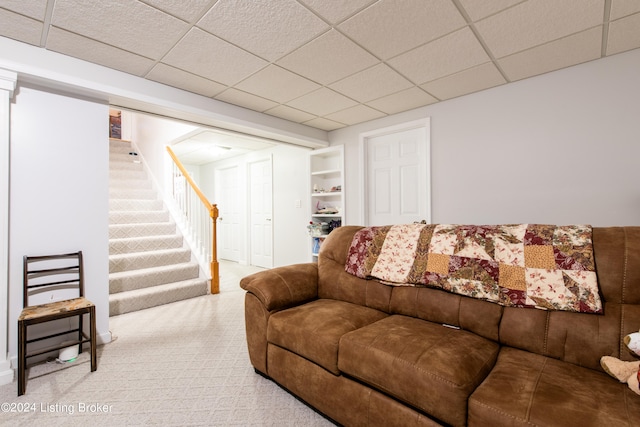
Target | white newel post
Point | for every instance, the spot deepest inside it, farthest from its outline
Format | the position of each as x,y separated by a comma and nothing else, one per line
8,81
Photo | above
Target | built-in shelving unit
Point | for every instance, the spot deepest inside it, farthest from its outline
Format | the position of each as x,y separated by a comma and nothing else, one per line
327,194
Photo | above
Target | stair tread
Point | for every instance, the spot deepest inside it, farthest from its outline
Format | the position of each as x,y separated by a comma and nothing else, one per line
143,212
126,281
147,253
158,288
144,271
145,238
140,299
143,224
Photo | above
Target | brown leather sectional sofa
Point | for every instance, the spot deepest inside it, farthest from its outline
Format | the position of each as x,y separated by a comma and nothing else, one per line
363,353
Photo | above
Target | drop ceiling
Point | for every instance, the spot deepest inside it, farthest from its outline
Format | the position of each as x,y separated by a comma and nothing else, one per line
328,63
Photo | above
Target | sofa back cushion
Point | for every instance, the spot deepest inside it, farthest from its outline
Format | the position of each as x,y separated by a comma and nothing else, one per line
435,305
578,338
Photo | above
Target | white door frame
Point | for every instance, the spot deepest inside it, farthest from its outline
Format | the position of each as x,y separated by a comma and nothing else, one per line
364,140
8,82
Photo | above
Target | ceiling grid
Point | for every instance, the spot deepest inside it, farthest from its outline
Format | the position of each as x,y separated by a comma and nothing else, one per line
328,64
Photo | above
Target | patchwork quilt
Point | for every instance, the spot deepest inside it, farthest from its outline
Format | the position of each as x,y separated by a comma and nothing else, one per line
518,265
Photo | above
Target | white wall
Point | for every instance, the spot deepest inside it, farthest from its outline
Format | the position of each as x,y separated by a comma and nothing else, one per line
59,192
151,135
290,183
561,148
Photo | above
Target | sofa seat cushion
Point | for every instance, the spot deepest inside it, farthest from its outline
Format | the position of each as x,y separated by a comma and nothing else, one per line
313,330
530,389
432,367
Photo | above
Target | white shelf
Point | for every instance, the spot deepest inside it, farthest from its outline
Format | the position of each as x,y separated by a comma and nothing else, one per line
327,193
326,170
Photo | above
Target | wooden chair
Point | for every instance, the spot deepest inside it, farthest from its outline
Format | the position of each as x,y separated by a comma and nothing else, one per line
46,276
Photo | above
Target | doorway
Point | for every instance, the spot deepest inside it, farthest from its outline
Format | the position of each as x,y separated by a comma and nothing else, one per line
396,184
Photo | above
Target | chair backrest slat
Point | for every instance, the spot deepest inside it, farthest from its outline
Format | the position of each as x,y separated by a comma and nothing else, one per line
43,273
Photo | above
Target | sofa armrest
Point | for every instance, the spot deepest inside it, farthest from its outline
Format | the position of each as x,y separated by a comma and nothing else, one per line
283,287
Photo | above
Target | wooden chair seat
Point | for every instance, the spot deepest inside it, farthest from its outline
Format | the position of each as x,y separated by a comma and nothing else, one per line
55,309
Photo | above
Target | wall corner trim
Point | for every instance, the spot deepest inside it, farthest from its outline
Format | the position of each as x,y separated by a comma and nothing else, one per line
8,81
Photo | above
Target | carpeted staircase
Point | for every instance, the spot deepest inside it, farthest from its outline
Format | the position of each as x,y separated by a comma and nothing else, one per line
148,263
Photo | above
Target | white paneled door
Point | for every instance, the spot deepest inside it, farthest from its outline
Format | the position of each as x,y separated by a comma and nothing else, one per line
397,174
261,210
229,230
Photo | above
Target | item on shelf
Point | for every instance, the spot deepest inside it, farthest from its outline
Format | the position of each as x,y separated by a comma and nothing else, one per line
334,224
317,229
326,210
317,242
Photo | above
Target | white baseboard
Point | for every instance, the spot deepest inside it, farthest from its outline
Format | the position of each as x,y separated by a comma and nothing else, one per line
6,373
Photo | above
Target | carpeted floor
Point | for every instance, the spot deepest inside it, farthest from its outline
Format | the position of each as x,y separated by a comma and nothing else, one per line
180,364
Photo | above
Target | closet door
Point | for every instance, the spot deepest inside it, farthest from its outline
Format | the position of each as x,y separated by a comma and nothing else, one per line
261,213
397,176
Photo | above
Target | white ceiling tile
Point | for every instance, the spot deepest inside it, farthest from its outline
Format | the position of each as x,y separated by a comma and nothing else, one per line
35,9
390,27
481,9
321,102
403,101
126,24
624,34
472,80
244,99
572,50
269,29
187,10
336,11
373,83
358,114
536,22
99,53
212,58
434,60
175,77
328,58
20,27
277,84
324,124
288,113
621,8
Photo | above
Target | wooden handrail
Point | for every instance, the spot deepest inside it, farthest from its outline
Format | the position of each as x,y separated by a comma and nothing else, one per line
213,213
193,185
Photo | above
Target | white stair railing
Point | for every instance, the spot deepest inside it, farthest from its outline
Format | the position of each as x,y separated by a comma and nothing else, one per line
198,217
